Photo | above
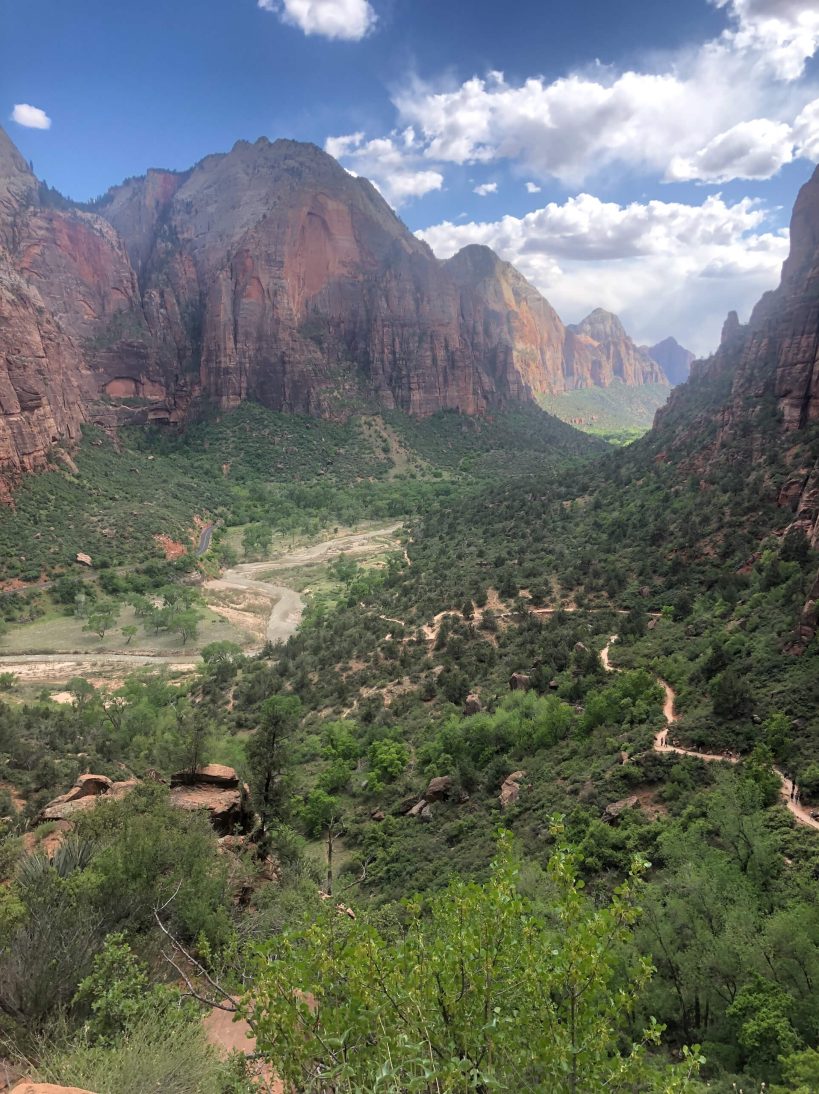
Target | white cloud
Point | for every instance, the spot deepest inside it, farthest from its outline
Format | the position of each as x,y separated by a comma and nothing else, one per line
664,267
391,163
532,188
350,20
782,34
806,131
723,109
749,150
485,188
32,117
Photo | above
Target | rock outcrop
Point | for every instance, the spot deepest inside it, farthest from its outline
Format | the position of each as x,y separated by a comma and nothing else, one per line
510,790
675,360
213,787
759,393
612,354
266,273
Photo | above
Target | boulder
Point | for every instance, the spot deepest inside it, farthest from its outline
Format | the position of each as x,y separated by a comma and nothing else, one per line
208,775
83,558
472,704
89,785
417,809
438,789
83,795
519,681
614,810
510,790
228,809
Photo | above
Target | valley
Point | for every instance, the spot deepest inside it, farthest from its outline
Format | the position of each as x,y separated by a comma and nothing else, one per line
346,688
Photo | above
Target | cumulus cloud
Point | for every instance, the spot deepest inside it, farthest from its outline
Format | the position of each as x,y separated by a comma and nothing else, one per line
723,109
749,150
662,266
806,132
782,34
32,117
390,162
349,20
485,188
532,188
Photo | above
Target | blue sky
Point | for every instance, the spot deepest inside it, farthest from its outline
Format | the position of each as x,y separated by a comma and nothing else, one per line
639,156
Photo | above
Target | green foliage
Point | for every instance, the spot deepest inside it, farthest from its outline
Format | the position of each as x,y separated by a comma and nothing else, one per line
268,754
319,812
485,989
387,759
119,995
153,1055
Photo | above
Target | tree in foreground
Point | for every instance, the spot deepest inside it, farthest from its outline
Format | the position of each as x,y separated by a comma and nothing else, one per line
484,989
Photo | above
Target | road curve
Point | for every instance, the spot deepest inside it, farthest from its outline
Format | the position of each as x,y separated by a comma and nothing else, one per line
799,812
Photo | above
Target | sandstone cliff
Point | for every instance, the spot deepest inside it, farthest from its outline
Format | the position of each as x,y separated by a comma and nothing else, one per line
754,401
266,273
612,353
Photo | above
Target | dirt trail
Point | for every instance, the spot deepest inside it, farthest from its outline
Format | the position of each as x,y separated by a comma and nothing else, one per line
799,812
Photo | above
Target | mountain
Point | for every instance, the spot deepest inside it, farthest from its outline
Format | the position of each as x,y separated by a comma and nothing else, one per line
266,273
753,406
674,359
614,355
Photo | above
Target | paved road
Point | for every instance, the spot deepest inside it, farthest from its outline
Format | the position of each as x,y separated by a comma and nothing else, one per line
205,537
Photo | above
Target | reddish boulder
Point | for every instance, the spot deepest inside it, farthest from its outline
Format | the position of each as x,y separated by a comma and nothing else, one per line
510,790
439,788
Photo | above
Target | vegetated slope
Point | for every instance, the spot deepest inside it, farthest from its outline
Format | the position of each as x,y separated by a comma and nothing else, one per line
618,413
269,274
253,464
450,692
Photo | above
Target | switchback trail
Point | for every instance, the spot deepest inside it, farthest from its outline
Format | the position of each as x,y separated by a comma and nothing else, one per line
800,814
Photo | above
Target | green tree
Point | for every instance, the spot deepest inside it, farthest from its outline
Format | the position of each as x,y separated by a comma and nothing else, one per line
730,695
101,619
129,631
256,539
484,990
186,624
267,753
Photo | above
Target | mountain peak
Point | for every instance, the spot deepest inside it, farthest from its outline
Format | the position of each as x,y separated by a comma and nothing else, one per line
674,359
18,186
601,325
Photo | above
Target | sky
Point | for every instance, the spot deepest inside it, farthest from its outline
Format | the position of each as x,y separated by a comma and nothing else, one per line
642,156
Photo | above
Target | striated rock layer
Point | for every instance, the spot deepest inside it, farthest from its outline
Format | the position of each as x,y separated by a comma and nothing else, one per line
267,273
758,395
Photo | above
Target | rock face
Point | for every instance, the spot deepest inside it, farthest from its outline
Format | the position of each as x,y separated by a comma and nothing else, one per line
771,362
510,790
266,273
212,787
611,354
760,390
675,360
217,789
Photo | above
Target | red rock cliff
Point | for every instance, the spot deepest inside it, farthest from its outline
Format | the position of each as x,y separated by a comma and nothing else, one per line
266,273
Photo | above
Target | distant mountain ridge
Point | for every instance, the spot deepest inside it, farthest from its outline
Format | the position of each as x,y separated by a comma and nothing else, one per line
675,360
266,273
